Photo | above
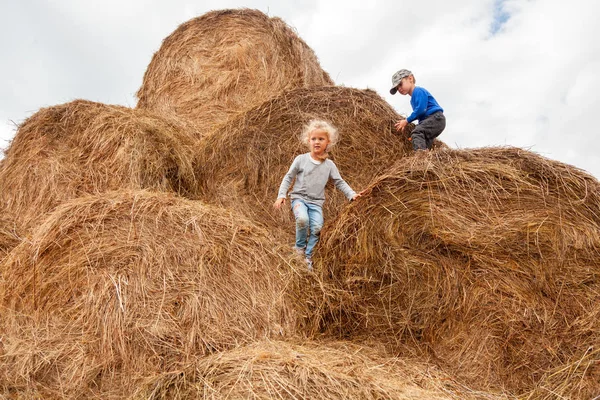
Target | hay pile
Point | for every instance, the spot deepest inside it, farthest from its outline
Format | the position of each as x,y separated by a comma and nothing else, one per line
307,370
10,234
82,147
244,161
133,284
577,379
486,259
483,262
224,62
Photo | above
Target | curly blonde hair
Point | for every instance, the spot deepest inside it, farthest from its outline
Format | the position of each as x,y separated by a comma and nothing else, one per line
319,124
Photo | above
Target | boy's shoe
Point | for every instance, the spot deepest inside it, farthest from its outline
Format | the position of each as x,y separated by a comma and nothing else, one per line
309,264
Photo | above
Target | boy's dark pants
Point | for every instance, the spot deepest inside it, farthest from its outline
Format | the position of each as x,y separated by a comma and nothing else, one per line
427,130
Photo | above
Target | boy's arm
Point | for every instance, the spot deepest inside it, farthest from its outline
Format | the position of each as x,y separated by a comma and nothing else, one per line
420,99
288,178
341,184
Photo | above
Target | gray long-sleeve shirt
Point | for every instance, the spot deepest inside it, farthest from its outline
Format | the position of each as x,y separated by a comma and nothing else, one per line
311,179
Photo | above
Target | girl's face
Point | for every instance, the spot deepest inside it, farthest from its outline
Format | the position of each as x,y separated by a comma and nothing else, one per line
318,141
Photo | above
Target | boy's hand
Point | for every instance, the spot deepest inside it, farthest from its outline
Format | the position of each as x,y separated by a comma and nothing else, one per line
278,203
400,125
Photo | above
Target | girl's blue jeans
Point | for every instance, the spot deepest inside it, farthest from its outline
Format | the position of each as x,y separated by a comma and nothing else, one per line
308,217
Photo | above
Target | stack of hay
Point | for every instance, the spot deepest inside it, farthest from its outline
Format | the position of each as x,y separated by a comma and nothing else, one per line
70,150
9,234
115,288
225,62
120,281
307,370
486,260
153,265
244,161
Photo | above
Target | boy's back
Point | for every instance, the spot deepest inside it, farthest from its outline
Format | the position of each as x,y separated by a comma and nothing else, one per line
423,104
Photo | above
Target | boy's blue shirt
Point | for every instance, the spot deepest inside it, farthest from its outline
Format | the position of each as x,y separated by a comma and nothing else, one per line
423,104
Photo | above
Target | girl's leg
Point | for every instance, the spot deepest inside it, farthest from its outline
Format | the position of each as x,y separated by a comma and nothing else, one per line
315,218
301,213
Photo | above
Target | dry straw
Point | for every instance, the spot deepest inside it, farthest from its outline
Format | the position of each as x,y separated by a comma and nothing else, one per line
244,161
225,62
576,379
488,260
9,234
306,370
128,283
82,147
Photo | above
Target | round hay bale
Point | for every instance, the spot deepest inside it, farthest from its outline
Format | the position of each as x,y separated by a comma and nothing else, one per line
244,161
9,234
307,370
133,281
488,259
576,379
82,147
224,62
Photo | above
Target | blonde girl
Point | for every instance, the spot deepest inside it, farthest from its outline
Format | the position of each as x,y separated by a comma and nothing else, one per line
312,171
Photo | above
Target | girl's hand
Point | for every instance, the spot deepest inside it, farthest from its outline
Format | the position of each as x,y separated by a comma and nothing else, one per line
278,203
359,194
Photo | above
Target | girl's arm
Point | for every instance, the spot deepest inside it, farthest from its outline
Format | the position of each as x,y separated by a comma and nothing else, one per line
288,178
341,184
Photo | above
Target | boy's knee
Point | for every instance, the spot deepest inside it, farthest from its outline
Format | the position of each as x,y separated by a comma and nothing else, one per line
417,134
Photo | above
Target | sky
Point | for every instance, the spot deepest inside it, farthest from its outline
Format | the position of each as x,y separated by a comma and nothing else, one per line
507,72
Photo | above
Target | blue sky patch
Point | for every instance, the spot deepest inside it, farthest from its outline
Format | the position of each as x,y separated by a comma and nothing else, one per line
500,17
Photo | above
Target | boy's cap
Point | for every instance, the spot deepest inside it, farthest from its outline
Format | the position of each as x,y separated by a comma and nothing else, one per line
397,77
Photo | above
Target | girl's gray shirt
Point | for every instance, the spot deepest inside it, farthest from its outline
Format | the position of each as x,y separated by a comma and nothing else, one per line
311,179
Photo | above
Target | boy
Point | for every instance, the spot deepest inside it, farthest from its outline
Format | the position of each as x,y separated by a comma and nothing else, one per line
425,109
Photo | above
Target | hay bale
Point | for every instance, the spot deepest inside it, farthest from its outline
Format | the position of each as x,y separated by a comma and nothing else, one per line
10,234
135,281
487,259
82,147
244,161
307,370
577,379
225,62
